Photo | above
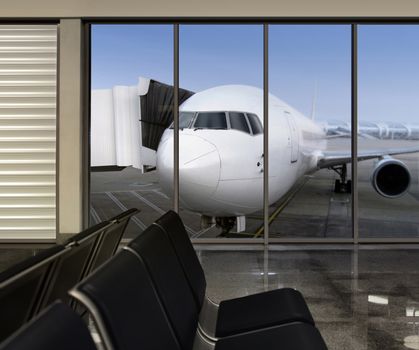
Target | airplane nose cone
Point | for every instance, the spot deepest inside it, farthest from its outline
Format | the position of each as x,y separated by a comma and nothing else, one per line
199,168
165,165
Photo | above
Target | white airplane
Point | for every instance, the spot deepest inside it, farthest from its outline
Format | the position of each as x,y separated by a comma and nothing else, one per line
221,159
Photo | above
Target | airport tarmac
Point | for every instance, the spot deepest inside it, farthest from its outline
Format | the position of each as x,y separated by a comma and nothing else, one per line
311,209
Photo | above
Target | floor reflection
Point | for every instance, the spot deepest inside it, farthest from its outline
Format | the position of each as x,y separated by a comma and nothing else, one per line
366,299
363,299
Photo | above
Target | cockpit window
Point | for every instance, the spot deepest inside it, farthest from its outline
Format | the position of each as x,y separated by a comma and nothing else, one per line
185,119
245,122
211,120
255,124
238,122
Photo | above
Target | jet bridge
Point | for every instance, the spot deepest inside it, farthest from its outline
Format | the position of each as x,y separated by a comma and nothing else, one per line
127,123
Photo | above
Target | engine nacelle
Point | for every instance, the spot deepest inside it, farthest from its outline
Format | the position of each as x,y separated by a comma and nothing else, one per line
390,178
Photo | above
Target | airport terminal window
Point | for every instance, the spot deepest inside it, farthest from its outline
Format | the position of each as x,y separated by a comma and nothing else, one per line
388,61
206,120
255,124
223,65
310,70
310,82
131,108
238,122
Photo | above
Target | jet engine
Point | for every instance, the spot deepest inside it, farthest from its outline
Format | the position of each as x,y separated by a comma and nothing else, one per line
390,177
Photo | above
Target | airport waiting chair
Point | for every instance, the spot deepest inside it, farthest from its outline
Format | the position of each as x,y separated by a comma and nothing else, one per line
22,286
237,315
72,266
58,327
155,251
124,306
30,286
111,238
88,249
129,314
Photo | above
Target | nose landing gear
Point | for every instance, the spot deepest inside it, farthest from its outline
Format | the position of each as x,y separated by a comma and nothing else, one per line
226,224
342,185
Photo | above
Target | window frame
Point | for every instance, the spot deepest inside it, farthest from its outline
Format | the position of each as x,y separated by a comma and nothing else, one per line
353,22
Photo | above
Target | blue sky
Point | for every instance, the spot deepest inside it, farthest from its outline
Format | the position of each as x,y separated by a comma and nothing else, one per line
301,58
388,72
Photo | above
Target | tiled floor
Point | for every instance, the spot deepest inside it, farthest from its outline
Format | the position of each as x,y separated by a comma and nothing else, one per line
364,299
360,299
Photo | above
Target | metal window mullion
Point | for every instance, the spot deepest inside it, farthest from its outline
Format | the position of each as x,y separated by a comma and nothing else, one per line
246,117
176,117
227,114
265,134
354,128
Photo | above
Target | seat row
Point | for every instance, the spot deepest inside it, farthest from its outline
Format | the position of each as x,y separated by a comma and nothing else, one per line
30,286
152,295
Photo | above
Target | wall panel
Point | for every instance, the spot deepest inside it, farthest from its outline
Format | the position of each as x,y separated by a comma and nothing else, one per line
28,65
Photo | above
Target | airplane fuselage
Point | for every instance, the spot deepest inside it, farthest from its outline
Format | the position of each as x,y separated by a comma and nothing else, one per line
221,169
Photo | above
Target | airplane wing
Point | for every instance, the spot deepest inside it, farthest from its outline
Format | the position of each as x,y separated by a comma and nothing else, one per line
328,159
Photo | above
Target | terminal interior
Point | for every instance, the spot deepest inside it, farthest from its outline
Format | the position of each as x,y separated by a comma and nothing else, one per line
343,236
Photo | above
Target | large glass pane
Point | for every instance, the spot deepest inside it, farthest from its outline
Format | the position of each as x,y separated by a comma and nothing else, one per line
388,74
309,127
131,106
221,160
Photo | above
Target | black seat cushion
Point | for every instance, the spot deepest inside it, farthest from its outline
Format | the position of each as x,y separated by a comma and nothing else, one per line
173,226
241,314
157,252
123,294
295,336
58,327
69,270
261,310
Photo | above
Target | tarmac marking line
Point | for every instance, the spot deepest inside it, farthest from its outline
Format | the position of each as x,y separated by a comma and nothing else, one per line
146,201
156,208
95,215
281,207
160,193
121,206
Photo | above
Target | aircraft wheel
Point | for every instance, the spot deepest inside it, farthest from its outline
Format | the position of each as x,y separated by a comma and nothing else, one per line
337,186
226,224
349,186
